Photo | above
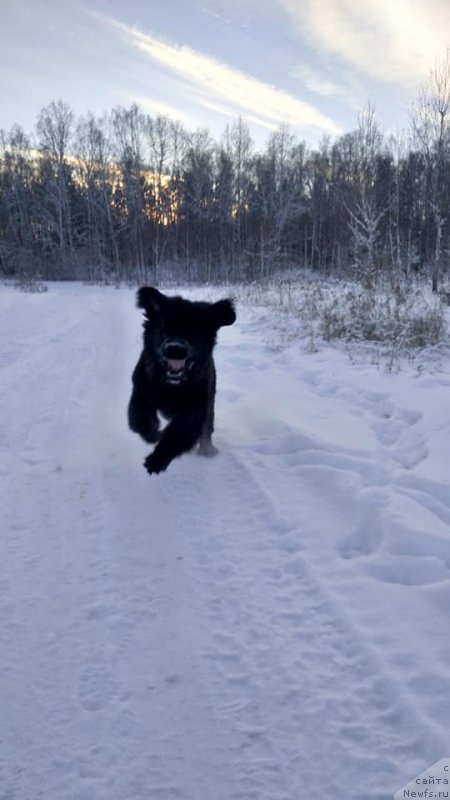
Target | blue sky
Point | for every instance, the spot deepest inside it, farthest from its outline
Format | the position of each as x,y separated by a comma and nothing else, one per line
311,63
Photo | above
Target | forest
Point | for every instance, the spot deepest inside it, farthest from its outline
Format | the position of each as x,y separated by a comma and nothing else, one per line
131,197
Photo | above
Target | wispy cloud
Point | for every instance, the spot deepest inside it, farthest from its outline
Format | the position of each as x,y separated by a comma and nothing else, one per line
318,82
156,106
344,85
394,42
230,90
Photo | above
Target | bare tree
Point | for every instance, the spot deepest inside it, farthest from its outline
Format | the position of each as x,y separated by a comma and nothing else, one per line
365,211
97,232
364,227
279,196
128,126
160,139
431,129
54,130
198,204
17,172
240,148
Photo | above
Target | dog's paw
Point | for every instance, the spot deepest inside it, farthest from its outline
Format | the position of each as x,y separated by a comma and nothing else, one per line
206,448
155,463
152,436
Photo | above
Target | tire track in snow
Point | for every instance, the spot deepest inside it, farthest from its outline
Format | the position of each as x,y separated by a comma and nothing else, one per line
299,682
43,522
100,639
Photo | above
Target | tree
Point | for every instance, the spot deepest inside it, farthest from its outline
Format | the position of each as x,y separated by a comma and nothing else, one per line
198,204
163,138
367,208
279,197
128,126
431,129
96,227
54,130
16,175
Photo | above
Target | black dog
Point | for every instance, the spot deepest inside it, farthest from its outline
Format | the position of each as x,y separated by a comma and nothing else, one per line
175,375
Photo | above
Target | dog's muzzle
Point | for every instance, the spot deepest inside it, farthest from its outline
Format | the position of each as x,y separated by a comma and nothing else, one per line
176,358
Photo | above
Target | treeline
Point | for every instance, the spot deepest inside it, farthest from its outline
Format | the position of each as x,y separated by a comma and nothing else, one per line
133,197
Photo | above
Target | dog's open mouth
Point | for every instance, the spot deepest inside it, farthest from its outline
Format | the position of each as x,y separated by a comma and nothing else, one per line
176,367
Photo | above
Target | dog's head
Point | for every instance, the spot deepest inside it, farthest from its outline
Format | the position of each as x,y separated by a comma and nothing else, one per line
180,333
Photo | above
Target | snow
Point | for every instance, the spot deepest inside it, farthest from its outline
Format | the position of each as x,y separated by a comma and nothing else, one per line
271,624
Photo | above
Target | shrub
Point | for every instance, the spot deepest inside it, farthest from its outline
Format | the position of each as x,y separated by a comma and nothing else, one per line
397,315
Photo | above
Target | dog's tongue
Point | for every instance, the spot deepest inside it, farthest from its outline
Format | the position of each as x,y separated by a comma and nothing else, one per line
176,364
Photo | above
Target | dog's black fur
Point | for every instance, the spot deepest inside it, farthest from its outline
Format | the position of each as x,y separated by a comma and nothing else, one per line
175,375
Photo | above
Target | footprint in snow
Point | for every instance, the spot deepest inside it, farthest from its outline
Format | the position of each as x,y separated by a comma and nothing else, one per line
393,422
409,571
368,535
96,688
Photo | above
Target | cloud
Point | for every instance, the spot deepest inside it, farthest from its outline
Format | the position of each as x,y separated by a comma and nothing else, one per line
216,84
155,106
393,42
318,82
342,85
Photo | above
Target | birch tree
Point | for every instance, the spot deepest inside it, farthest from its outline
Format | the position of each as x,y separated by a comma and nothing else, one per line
54,130
431,129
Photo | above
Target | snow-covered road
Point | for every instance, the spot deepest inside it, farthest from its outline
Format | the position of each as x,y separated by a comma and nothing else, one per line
271,624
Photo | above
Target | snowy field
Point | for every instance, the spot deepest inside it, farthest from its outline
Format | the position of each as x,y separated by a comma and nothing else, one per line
272,624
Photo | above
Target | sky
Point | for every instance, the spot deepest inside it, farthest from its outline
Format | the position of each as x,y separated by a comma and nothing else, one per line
313,64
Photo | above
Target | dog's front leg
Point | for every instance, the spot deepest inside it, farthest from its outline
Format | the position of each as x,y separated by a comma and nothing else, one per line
206,447
142,415
180,435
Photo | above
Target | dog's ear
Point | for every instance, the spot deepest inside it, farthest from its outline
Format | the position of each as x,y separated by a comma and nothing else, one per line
149,299
223,313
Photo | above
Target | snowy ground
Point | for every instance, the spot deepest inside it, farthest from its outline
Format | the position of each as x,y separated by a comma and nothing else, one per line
269,625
